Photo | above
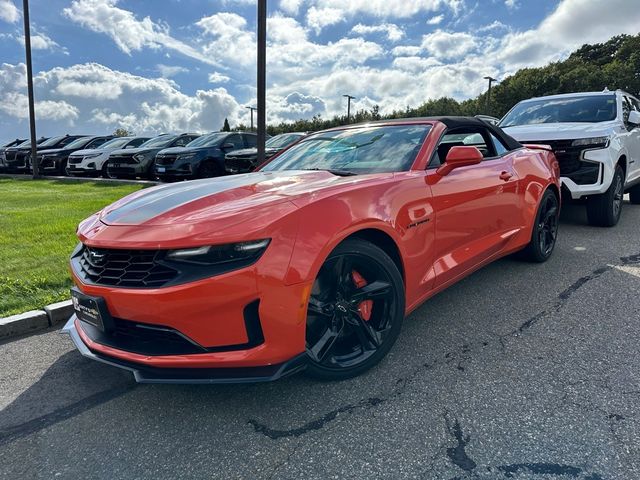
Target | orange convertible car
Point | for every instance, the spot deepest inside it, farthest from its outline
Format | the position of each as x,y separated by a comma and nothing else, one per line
313,261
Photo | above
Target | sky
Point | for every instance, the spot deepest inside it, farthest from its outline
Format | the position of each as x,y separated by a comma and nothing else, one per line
159,66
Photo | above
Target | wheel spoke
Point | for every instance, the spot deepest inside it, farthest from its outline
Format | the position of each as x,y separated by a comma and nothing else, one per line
324,344
368,337
342,275
374,291
317,307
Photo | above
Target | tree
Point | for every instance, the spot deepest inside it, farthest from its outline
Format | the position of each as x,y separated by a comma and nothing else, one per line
226,127
122,132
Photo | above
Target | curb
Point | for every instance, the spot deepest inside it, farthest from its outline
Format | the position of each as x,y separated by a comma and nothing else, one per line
115,181
28,322
35,320
59,312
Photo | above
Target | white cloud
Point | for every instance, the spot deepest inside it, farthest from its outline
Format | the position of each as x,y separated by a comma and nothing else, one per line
168,71
437,20
92,94
511,3
128,33
443,44
217,77
572,24
393,32
8,11
291,7
390,9
41,41
318,18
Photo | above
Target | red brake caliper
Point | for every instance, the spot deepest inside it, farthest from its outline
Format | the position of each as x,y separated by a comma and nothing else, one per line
365,306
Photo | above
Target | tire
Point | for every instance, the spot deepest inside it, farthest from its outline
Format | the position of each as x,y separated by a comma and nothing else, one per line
545,229
209,169
634,195
355,311
604,210
103,170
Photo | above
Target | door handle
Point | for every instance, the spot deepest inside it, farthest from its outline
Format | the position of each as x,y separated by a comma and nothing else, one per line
506,176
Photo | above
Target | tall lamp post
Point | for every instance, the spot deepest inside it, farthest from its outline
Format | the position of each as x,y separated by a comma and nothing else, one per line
32,109
349,98
253,109
262,79
491,80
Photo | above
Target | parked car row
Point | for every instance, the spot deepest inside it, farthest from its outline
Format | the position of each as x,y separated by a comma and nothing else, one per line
595,137
166,157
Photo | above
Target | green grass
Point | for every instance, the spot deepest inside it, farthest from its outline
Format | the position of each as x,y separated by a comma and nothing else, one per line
38,221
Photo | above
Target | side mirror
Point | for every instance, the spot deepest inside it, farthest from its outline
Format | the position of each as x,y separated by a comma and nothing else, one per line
634,118
228,146
460,157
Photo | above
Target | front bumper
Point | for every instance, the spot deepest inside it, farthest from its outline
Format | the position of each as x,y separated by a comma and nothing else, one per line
146,373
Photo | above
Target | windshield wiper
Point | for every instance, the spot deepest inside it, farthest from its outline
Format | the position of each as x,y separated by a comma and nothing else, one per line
334,171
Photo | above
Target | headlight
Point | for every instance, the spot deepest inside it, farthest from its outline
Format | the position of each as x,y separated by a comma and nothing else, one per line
189,156
594,142
244,252
92,155
139,157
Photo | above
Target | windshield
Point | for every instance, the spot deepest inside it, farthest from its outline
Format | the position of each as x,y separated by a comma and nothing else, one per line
281,141
585,109
161,141
79,143
115,143
51,141
358,150
207,140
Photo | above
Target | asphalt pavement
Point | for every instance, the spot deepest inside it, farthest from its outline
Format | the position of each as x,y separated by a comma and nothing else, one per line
520,371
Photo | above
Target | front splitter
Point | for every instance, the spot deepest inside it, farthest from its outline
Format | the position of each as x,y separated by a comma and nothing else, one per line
145,374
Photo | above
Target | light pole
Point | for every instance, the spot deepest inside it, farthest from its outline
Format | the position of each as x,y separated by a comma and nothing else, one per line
32,109
253,109
262,79
491,80
349,98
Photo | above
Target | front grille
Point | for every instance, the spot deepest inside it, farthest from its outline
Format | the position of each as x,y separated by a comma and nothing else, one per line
166,160
240,164
75,160
571,164
122,160
125,268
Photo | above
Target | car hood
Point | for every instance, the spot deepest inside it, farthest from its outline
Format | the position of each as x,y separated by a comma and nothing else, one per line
53,151
89,151
181,150
560,131
247,152
223,197
134,151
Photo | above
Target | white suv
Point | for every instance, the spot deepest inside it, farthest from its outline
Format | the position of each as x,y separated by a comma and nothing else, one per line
596,139
93,162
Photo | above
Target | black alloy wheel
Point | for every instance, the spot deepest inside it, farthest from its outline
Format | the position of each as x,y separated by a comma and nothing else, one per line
355,311
545,229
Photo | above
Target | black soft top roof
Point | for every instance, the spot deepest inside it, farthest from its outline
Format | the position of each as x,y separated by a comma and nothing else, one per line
458,122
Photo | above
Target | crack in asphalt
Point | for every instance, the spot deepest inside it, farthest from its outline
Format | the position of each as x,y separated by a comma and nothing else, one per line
459,457
457,454
316,424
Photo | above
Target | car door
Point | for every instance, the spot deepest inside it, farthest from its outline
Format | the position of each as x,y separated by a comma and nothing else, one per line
633,139
477,207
